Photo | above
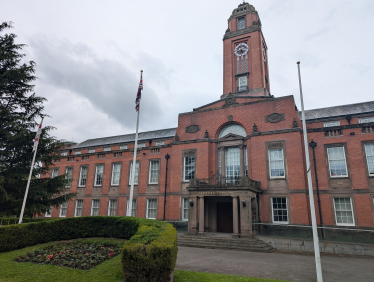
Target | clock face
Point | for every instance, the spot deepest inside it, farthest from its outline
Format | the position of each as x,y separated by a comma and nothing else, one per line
241,49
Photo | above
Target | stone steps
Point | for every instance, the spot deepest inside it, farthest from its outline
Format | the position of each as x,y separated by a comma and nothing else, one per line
242,244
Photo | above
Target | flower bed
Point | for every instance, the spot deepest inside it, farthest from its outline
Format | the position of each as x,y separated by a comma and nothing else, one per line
74,255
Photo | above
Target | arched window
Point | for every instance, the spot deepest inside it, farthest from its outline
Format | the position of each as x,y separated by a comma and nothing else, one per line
234,129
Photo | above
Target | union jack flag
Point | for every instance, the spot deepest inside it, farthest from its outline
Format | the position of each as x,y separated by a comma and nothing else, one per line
139,94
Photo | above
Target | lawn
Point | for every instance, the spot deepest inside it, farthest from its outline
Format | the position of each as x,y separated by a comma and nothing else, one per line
109,270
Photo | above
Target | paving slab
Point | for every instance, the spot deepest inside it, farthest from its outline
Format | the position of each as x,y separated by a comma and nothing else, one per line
283,266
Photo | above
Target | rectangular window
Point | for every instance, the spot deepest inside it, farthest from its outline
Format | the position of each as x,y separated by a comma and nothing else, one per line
366,119
112,207
133,208
54,172
276,163
123,147
77,152
95,207
48,213
68,176
83,176
338,166
343,211
232,165
189,168
151,208
245,161
185,209
369,150
160,143
219,161
331,123
243,83
64,154
106,149
142,145
279,206
136,178
154,168
90,151
63,209
116,171
241,23
99,175
78,207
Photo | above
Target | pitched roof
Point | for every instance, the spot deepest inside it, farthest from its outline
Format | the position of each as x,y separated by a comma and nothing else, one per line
336,111
156,134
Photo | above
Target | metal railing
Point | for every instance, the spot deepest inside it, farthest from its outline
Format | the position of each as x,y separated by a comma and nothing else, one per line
220,181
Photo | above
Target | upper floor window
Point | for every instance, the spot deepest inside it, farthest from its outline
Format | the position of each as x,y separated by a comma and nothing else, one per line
99,175
77,152
54,172
116,171
276,163
242,83
337,163
68,176
241,23
245,161
232,164
160,143
331,123
369,151
154,168
83,176
64,153
123,147
234,129
136,178
189,168
142,145
90,151
366,119
106,149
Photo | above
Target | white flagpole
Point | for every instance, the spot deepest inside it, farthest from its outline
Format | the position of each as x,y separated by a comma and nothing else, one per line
28,181
311,197
129,209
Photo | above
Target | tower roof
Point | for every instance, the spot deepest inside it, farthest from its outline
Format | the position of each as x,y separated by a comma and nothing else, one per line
243,9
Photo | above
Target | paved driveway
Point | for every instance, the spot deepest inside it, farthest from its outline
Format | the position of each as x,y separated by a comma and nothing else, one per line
291,267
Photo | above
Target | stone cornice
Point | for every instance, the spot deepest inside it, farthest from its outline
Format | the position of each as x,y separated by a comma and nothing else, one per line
250,29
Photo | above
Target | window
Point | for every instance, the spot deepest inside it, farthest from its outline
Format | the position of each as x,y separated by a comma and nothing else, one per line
338,166
64,153
369,150
185,209
151,208
54,172
343,211
68,176
233,129
245,161
154,168
160,143
136,178
95,207
133,208
279,207
101,156
56,160
83,176
123,147
116,171
219,160
331,123
155,151
71,159
241,23
142,145
99,175
276,163
78,207
112,207
189,168
48,213
106,149
232,165
137,152
90,151
366,119
118,154
242,83
63,209
77,152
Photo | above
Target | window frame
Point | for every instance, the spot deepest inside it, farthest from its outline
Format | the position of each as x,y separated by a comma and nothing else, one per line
92,207
147,214
107,149
112,174
91,151
80,176
133,209
130,173
246,83
287,209
284,165
60,209
345,160
366,157
76,207
54,169
184,168
361,120
331,123
71,178
102,179
160,143
49,213
110,206
150,170
352,210
184,208
245,23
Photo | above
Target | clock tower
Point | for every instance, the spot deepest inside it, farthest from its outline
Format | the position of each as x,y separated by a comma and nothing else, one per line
245,61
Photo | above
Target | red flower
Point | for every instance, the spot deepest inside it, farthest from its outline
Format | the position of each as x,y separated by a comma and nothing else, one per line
86,253
50,256
111,254
17,257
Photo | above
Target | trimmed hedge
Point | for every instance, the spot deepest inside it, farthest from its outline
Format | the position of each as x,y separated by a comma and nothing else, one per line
14,220
149,254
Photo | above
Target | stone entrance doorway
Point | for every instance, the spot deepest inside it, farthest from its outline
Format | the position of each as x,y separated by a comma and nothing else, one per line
224,217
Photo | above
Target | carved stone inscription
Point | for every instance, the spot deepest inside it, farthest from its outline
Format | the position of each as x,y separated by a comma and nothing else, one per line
275,117
192,128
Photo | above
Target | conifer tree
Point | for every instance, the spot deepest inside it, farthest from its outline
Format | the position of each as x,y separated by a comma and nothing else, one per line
20,114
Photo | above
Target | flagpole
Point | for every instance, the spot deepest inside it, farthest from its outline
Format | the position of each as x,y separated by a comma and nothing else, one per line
311,197
28,182
134,160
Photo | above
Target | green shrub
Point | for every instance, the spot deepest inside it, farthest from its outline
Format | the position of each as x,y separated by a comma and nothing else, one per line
14,220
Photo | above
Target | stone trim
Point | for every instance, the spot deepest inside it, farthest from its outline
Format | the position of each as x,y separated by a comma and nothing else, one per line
340,127
236,33
279,131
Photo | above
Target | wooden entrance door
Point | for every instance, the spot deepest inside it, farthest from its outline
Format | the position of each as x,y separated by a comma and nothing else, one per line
224,217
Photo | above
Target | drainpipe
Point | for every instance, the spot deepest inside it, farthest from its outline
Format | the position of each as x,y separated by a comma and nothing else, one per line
167,157
313,145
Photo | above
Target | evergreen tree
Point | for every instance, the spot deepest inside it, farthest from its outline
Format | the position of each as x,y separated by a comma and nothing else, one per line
20,114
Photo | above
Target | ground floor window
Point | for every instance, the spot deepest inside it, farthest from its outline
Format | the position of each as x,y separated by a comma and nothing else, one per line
48,213
279,207
343,211
112,207
95,207
185,209
133,208
63,209
151,208
79,208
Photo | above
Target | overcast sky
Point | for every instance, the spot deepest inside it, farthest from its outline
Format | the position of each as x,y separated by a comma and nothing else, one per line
89,55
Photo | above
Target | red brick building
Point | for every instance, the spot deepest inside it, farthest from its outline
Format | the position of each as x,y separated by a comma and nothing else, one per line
236,161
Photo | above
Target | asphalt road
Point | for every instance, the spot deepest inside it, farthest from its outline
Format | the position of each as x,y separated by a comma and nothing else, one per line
284,266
